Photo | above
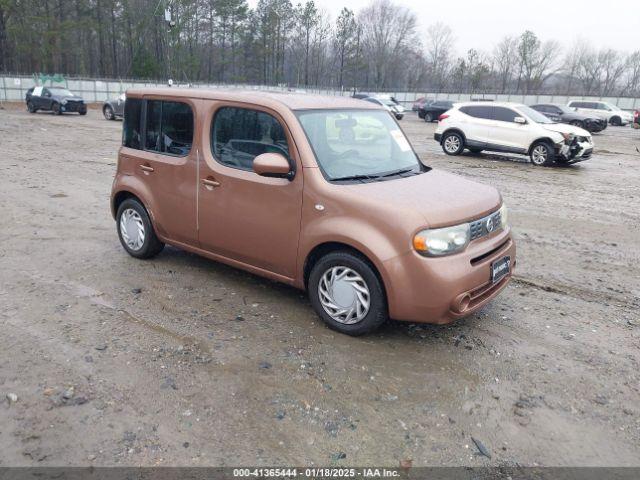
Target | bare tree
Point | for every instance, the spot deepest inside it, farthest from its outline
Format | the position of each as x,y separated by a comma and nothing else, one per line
343,41
536,61
439,52
505,60
388,32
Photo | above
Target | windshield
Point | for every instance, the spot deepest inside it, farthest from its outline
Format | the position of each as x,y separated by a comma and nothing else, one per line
63,92
613,107
358,144
533,115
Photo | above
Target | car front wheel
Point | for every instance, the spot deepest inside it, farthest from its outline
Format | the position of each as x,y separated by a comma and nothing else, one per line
615,121
135,230
542,154
428,118
347,294
31,107
453,143
108,113
56,109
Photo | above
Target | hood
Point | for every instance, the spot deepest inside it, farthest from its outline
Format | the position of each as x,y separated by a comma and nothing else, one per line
439,198
72,98
565,128
580,116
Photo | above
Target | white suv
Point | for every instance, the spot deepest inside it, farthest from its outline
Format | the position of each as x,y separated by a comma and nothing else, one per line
607,111
511,128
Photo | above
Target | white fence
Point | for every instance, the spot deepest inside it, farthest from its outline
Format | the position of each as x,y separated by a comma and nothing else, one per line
14,88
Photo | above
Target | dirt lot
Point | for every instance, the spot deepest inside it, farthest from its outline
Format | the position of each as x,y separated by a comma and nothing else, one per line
182,361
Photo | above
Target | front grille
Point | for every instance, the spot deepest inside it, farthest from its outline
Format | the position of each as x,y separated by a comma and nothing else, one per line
485,225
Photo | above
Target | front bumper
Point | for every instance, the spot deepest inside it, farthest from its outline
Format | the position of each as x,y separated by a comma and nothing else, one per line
577,151
74,107
441,290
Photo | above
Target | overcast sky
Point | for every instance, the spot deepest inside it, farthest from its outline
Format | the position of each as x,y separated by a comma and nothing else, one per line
481,23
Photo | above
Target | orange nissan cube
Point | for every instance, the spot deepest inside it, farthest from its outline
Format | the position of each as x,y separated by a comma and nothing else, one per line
322,193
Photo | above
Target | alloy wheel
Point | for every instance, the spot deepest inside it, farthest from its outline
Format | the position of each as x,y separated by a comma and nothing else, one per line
539,155
452,144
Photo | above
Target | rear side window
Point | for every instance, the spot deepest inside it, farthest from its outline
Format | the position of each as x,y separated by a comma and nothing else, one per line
477,111
502,114
169,127
238,135
131,135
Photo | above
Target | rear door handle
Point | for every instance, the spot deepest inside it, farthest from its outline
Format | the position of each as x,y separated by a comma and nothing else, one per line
210,183
146,168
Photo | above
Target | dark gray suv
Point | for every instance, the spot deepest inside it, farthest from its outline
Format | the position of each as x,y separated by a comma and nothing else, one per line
114,108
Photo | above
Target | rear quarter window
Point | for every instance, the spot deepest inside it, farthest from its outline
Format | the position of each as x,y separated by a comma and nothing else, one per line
131,131
477,111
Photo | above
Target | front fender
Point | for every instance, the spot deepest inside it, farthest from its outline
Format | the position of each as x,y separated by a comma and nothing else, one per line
359,235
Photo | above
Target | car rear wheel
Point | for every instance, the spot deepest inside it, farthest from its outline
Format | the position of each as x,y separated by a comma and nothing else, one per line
31,108
55,108
347,294
83,111
452,143
542,154
107,111
135,230
615,121
428,117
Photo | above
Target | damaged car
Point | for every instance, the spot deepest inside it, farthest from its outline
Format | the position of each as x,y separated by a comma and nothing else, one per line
564,114
58,100
511,128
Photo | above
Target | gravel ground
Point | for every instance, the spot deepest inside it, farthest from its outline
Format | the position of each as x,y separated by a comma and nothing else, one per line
107,360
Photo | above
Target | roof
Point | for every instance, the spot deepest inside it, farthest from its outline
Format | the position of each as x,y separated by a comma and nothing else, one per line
490,104
293,101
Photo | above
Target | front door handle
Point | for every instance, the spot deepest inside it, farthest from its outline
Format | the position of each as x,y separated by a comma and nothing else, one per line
210,183
146,168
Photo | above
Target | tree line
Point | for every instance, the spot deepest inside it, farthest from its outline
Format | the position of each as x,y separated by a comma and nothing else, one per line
380,47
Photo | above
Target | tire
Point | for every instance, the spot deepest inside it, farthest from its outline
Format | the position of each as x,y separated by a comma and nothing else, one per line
542,154
475,150
351,316
132,214
107,111
428,117
31,108
452,143
615,121
83,112
55,108
421,114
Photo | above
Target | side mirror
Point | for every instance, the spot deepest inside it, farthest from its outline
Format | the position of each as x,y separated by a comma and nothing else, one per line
520,120
271,165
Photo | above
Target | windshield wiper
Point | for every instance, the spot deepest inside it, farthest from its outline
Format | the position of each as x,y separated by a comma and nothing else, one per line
399,172
356,177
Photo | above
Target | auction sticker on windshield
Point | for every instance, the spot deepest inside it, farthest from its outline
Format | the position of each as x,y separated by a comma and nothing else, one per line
401,140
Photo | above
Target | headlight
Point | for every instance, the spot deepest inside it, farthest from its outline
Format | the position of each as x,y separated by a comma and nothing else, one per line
504,221
63,102
442,241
